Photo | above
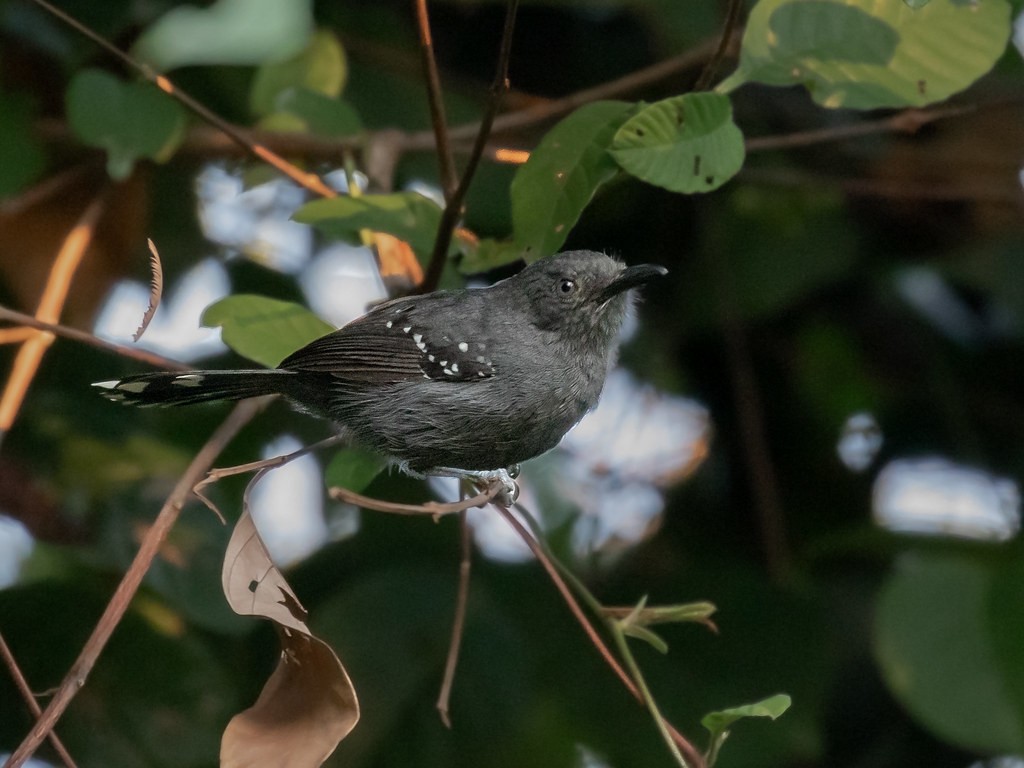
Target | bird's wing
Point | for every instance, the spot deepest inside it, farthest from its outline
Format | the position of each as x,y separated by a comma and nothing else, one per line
393,343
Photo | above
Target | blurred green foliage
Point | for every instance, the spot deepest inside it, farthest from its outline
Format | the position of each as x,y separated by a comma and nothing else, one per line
786,282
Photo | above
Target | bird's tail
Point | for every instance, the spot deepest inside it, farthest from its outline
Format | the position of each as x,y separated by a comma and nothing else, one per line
185,388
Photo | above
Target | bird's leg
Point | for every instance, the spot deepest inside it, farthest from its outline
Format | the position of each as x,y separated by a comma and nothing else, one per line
509,489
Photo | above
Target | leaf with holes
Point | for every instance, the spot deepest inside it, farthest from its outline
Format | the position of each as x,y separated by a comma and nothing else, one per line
128,120
863,54
685,144
550,190
264,330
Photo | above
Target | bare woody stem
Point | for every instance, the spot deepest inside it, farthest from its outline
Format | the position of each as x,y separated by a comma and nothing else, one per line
436,99
453,208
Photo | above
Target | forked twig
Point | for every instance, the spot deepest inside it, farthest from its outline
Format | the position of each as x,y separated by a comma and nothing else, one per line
453,207
215,475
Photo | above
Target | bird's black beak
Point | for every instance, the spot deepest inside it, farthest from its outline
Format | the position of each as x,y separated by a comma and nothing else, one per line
631,277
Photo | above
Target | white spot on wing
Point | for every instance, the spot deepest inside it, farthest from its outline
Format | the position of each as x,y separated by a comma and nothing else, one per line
463,346
106,384
389,324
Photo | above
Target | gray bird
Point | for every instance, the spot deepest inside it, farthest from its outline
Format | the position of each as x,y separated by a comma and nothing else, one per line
463,383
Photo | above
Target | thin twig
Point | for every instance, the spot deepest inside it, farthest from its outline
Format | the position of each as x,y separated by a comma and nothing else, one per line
151,358
908,121
732,18
574,607
607,617
432,508
115,610
436,99
30,700
215,475
549,109
309,181
453,207
458,621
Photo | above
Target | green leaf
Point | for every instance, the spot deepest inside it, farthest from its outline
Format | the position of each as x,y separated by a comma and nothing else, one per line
864,54
21,157
685,144
128,120
322,115
773,707
406,215
354,469
550,190
241,32
264,330
934,645
718,722
653,639
321,68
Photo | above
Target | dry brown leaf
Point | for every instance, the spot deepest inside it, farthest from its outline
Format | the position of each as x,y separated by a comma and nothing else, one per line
306,708
397,259
309,703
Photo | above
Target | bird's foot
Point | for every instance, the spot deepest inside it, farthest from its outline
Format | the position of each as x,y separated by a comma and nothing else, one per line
509,489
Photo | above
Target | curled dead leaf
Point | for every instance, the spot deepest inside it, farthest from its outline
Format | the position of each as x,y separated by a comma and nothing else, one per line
309,703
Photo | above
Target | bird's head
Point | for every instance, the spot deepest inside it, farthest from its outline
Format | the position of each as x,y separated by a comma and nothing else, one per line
581,293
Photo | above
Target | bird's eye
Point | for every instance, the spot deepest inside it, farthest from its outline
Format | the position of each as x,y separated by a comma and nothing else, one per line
566,286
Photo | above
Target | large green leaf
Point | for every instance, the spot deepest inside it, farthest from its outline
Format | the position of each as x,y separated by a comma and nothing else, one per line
685,144
264,330
866,54
550,190
935,649
128,120
406,215
320,68
228,32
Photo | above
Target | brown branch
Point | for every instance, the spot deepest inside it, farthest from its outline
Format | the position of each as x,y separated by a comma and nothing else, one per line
151,358
548,110
908,121
30,700
115,610
309,181
436,101
732,18
453,208
459,620
432,508
574,607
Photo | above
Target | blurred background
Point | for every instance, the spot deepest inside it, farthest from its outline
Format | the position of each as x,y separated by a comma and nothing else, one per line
817,422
